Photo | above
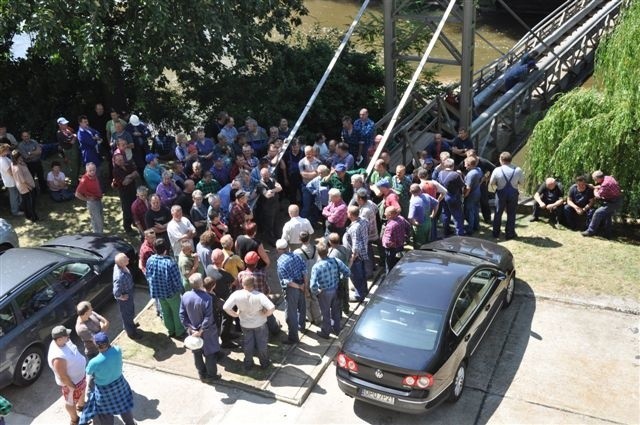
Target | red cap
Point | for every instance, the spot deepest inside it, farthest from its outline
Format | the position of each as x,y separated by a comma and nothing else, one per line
251,258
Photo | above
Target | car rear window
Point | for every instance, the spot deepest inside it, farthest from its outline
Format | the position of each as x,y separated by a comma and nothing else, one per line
400,324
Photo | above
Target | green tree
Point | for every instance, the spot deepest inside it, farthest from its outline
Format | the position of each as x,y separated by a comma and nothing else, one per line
597,128
131,46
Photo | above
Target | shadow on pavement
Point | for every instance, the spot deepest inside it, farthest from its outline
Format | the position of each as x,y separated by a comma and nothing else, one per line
145,408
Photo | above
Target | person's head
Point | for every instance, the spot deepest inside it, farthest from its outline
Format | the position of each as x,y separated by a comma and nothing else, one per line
294,210
264,174
273,132
309,152
150,236
597,176
357,181
322,248
362,196
305,237
91,170
155,203
181,139
346,122
186,247
63,123
353,212
5,149
550,183
25,136
102,341
240,161
448,163
247,151
470,162
250,229
207,176
227,242
282,245
114,115
166,178
230,122
364,114
84,309
272,151
121,144
119,127
444,156
332,145
217,257
334,195
380,166
384,155
334,239
16,156
83,121
323,170
151,159
196,281
249,283
401,171
341,170
384,185
160,246
463,134
415,190
196,167
284,124
121,259
176,212
207,238
378,139
55,167
241,197
505,158
472,152
437,138
60,335
200,133
189,186
391,212
209,284
99,108
581,182
118,160
252,125
251,259
342,149
423,174
295,146
197,197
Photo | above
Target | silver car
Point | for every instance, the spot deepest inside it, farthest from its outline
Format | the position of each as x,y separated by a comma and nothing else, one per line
8,236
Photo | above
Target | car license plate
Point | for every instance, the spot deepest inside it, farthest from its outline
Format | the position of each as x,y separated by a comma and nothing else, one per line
377,396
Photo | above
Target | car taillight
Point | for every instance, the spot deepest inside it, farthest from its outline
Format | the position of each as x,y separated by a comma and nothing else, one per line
418,381
346,362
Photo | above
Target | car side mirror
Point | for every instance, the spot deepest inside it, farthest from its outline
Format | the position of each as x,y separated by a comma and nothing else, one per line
95,269
501,276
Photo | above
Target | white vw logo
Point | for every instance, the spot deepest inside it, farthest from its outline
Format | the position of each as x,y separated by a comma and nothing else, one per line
379,374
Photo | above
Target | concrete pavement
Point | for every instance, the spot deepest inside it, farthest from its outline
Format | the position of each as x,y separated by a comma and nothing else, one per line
541,362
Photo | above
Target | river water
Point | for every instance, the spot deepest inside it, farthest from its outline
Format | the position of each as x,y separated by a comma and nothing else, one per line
501,31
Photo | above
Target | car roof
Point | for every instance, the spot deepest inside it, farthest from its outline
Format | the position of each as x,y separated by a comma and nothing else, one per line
18,264
427,278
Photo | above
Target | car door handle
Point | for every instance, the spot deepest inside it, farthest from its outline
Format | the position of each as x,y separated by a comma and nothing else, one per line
487,307
466,338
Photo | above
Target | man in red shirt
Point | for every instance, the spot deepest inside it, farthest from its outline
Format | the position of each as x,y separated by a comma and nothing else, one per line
89,191
139,208
607,192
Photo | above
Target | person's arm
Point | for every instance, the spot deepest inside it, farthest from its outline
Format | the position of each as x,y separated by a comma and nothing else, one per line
263,255
60,368
228,307
80,195
104,323
538,199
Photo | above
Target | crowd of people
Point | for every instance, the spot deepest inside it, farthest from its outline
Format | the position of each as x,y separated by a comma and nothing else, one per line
207,207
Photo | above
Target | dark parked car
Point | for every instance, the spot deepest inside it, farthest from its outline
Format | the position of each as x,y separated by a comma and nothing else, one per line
40,287
410,347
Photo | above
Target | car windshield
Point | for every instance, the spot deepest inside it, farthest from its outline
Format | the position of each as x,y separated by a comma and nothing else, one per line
400,324
73,252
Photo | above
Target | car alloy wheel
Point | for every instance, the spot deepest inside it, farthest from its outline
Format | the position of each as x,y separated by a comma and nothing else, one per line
458,383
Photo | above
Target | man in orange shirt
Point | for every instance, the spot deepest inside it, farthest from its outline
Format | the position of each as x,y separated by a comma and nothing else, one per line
89,191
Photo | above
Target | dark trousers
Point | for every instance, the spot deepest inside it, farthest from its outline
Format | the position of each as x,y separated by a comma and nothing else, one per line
391,257
359,279
484,201
205,364
127,312
127,196
603,216
330,308
29,205
554,215
575,221
332,228
36,170
452,208
296,311
508,203
472,212
127,418
254,340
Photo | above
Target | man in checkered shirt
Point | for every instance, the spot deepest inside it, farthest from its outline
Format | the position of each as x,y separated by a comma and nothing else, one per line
292,272
356,238
325,277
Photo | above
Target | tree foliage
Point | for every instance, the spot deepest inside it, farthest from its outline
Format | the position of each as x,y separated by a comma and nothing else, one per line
597,128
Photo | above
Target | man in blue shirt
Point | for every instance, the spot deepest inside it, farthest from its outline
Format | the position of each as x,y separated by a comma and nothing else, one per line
165,284
123,292
356,238
325,277
365,129
292,272
472,194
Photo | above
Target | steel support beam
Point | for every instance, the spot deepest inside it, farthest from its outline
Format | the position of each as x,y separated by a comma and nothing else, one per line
466,73
390,88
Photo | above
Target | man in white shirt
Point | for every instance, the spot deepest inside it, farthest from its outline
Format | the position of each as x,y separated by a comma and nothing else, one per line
253,309
296,225
179,229
7,179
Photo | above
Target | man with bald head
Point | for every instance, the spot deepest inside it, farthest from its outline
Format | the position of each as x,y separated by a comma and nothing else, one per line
296,225
548,200
123,292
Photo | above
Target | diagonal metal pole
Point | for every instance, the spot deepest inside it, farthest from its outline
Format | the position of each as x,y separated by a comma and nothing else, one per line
323,80
409,89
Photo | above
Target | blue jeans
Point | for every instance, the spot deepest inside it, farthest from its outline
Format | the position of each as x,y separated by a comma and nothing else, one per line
14,200
127,312
391,257
603,215
505,202
296,311
472,212
359,279
331,313
255,340
452,207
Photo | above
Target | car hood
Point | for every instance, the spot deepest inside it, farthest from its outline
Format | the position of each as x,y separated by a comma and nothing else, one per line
103,245
389,356
474,247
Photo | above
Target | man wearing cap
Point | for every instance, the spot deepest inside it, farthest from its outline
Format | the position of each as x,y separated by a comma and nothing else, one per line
253,309
293,227
111,393
165,284
140,134
152,172
395,234
356,239
68,363
389,197
379,172
68,146
324,281
260,283
292,273
123,292
89,190
196,315
239,215
335,212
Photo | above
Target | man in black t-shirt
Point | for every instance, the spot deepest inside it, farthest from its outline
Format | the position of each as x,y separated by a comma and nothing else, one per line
579,204
548,199
157,217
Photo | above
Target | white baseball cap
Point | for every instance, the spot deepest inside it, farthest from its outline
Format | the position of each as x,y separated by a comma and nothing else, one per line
62,120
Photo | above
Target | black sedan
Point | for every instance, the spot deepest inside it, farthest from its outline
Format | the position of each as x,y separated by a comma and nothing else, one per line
40,287
409,349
